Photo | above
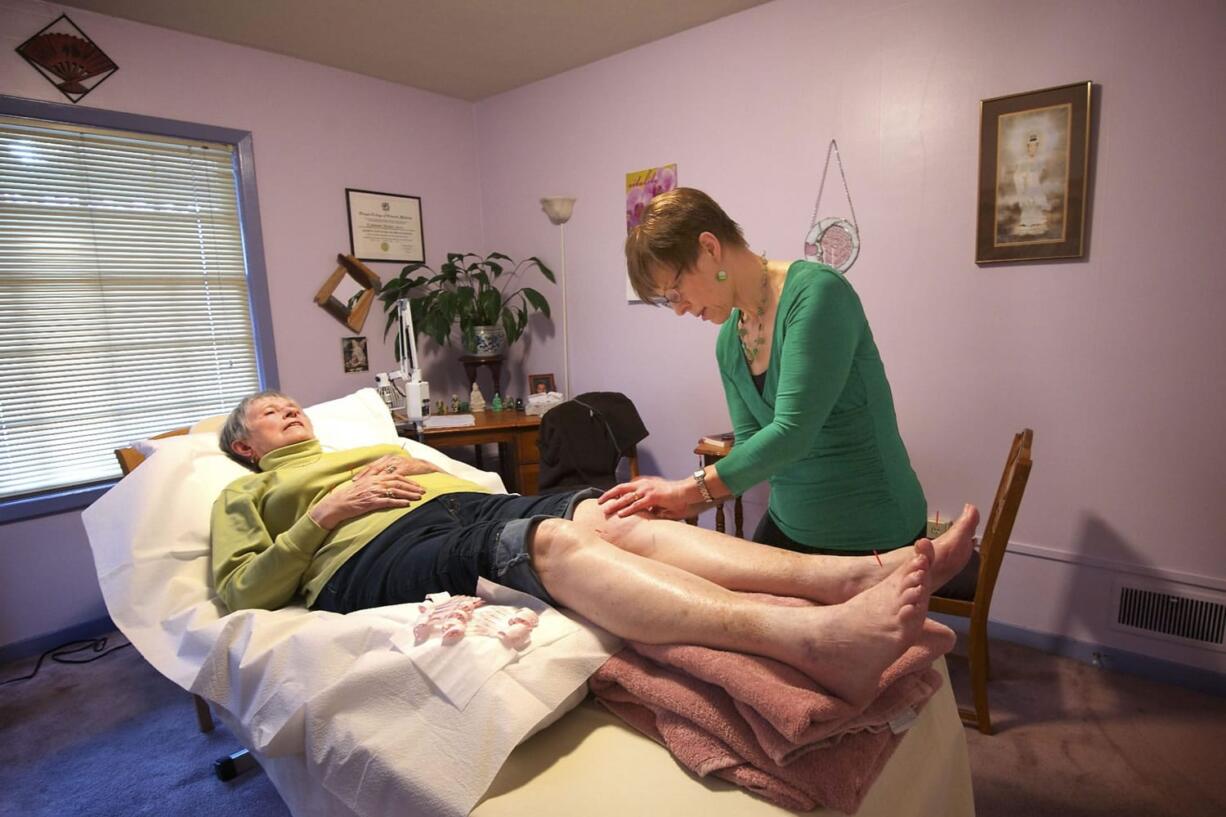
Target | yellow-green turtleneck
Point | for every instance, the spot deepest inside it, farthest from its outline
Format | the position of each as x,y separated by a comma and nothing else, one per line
267,549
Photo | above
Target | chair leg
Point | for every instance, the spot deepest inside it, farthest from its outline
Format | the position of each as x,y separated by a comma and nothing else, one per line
978,649
204,718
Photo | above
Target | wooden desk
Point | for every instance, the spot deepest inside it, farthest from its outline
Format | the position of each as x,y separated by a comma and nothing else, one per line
709,455
515,433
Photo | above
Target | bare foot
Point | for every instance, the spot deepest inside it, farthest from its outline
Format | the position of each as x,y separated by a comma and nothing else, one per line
847,647
947,554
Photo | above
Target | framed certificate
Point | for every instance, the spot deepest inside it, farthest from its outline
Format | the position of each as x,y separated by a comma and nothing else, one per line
385,227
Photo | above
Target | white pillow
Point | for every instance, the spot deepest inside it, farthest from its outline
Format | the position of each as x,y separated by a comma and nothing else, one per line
358,420
355,421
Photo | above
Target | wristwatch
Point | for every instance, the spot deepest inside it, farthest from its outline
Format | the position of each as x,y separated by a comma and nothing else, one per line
700,476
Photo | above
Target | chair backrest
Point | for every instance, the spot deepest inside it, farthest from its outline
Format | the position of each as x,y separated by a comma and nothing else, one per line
1000,520
129,458
583,439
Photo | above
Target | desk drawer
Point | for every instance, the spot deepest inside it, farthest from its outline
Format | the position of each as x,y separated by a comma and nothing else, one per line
529,478
527,450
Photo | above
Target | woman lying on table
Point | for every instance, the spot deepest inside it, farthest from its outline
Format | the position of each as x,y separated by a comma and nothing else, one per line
372,526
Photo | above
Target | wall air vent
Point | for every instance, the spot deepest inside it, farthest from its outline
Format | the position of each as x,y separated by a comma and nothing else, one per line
1186,615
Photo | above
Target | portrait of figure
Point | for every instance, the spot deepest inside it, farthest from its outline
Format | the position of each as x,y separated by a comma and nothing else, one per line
353,352
541,384
1032,175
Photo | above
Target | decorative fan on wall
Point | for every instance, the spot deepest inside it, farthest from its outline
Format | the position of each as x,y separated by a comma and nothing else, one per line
833,241
68,58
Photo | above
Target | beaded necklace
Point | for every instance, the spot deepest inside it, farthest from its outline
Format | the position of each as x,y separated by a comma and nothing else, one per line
751,352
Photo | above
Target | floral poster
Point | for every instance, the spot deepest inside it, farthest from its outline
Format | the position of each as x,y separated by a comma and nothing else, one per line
641,187
644,185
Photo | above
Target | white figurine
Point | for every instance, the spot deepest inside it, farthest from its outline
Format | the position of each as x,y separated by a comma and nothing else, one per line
476,401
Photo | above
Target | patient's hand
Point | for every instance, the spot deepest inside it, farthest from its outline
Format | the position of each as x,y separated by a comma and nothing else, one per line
403,465
374,489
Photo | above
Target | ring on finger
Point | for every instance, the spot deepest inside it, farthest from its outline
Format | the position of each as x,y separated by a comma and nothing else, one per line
388,493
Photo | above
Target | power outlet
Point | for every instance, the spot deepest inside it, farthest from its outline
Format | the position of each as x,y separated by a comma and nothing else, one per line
936,528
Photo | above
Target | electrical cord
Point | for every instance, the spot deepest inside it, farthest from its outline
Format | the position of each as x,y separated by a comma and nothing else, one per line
58,655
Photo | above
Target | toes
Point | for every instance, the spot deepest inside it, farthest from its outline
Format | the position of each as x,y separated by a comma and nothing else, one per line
925,548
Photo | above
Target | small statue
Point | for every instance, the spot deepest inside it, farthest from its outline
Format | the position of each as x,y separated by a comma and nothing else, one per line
455,404
440,407
497,404
476,400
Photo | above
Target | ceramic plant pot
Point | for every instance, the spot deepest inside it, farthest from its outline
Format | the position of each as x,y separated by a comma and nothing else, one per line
491,341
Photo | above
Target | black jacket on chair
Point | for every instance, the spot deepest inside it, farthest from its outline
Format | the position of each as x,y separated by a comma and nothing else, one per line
582,440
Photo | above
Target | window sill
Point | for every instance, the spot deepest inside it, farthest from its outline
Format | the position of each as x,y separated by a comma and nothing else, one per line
47,503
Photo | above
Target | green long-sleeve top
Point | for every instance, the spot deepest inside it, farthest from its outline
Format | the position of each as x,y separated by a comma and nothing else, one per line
266,547
823,430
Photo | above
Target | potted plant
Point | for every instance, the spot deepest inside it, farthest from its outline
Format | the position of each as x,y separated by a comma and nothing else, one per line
470,291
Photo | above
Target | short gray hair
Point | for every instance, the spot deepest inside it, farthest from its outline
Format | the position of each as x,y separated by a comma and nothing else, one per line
235,428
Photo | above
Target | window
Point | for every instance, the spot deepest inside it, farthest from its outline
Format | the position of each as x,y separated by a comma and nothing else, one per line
125,306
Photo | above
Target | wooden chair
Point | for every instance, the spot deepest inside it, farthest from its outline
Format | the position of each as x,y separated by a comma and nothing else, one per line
991,554
129,458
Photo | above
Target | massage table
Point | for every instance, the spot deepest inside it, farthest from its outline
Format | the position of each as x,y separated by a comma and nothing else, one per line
345,721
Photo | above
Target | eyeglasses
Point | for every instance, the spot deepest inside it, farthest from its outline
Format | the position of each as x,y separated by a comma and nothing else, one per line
671,295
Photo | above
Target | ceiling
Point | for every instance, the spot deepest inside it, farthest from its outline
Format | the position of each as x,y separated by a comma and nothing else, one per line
468,49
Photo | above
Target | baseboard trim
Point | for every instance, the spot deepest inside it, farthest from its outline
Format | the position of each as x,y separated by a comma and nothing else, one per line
1115,566
1109,658
40,644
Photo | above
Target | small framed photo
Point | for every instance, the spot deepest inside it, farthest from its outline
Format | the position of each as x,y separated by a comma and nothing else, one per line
385,227
353,352
1034,154
541,383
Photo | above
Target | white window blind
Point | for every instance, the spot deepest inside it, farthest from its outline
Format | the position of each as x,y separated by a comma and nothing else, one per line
124,309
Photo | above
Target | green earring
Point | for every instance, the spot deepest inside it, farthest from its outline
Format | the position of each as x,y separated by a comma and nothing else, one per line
721,276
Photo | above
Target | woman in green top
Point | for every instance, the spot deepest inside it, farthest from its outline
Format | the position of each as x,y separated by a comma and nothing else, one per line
806,389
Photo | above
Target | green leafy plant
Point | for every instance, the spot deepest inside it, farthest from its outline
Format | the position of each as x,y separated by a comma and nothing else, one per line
469,291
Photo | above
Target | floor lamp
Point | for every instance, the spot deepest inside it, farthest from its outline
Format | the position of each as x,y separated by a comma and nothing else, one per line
559,208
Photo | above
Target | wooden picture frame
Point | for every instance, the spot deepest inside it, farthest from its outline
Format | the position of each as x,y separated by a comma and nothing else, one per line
1034,156
352,312
385,227
537,381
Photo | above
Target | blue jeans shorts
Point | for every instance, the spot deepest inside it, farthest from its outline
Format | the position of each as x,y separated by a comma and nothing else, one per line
447,544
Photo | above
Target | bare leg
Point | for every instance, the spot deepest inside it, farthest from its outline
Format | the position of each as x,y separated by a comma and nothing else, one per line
738,564
844,647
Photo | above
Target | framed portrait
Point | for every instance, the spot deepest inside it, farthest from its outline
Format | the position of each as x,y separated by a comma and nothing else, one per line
541,383
1034,151
385,227
353,352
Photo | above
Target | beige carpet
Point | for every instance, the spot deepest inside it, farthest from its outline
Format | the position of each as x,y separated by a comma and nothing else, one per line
1074,740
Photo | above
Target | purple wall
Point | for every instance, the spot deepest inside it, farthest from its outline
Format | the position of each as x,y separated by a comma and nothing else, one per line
316,131
1114,361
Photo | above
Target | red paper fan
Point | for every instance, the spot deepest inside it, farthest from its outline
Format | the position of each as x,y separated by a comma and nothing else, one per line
63,52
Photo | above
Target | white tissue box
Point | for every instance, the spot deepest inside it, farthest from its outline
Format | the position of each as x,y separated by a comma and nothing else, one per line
541,403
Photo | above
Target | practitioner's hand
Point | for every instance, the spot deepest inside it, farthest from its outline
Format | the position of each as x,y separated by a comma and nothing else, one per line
401,464
372,491
662,497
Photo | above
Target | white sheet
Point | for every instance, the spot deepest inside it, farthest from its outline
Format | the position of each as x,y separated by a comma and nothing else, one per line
340,718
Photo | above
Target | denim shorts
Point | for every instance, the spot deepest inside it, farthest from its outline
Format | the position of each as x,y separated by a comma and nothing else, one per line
447,544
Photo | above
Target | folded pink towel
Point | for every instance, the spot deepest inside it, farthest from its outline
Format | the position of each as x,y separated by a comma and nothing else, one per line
764,726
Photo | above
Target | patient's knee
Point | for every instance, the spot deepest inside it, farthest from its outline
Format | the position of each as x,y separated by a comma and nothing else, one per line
591,517
555,541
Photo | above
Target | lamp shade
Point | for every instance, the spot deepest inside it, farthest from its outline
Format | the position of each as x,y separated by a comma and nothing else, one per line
558,208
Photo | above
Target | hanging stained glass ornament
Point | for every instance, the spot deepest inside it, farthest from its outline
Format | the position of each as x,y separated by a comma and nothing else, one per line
834,241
